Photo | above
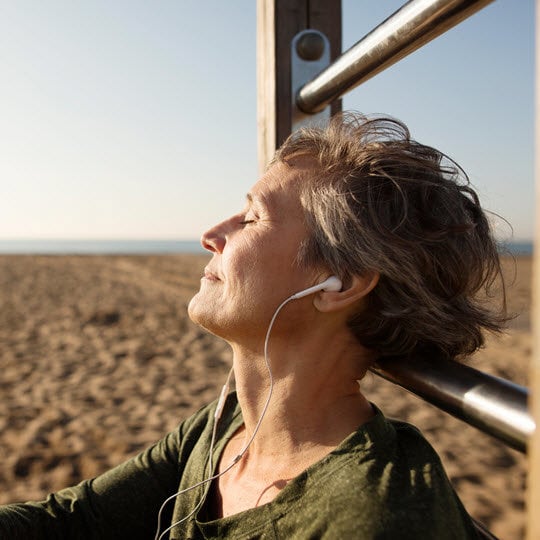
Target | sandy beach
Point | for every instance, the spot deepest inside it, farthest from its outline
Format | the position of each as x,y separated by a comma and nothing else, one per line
98,360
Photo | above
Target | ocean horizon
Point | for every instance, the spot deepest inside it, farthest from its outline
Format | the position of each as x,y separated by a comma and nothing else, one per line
150,247
98,247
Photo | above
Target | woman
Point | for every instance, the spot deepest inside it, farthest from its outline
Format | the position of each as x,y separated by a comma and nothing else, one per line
357,244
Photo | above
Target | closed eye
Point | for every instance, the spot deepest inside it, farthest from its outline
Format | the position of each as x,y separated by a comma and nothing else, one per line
246,222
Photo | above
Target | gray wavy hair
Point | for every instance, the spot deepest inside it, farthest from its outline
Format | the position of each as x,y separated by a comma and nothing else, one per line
380,202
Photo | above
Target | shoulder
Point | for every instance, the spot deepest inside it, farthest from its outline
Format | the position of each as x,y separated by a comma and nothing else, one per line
385,455
386,477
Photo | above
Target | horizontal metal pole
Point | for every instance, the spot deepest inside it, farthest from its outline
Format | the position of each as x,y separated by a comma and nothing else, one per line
493,405
413,25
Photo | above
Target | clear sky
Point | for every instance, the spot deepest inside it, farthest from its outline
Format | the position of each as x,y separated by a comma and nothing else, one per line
137,119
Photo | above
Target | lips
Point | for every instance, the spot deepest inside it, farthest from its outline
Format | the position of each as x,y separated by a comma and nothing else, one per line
210,276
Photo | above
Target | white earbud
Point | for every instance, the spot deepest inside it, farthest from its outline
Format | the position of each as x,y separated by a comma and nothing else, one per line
333,283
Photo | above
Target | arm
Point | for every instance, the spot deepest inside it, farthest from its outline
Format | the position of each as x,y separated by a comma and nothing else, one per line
122,503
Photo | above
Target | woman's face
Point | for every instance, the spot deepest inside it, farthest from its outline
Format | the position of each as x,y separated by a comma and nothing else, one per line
254,265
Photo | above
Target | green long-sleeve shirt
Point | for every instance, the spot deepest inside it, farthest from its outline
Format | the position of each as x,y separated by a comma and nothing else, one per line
383,481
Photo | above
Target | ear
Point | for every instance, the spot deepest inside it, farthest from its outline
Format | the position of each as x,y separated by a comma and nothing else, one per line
359,288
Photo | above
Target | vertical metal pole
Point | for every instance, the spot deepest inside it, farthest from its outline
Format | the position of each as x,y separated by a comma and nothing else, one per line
278,22
266,82
533,495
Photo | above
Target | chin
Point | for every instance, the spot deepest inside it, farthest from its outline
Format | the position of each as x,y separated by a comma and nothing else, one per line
201,313
194,309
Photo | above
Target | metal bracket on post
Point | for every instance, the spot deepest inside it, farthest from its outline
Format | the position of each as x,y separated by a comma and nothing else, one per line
310,54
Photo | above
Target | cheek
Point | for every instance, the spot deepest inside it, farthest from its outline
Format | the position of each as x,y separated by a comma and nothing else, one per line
254,269
238,263
261,262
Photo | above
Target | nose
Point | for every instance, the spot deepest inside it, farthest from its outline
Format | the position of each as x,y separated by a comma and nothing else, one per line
214,239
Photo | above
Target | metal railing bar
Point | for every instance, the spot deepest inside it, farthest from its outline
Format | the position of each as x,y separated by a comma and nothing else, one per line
495,406
412,26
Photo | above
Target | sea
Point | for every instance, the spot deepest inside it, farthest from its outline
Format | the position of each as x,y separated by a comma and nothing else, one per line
141,247
98,247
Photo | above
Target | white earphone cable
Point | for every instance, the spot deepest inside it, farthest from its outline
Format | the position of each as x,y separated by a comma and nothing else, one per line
217,415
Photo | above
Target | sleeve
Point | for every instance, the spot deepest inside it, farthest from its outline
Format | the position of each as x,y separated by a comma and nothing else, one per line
122,503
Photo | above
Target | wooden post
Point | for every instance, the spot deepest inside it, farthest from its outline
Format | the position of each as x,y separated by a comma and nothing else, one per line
533,494
278,21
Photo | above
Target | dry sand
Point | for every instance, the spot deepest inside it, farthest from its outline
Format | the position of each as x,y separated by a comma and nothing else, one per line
98,360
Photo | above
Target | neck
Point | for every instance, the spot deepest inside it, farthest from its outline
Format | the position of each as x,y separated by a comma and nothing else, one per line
315,401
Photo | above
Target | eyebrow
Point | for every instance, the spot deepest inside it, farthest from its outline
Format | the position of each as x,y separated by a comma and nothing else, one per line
255,199
260,201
